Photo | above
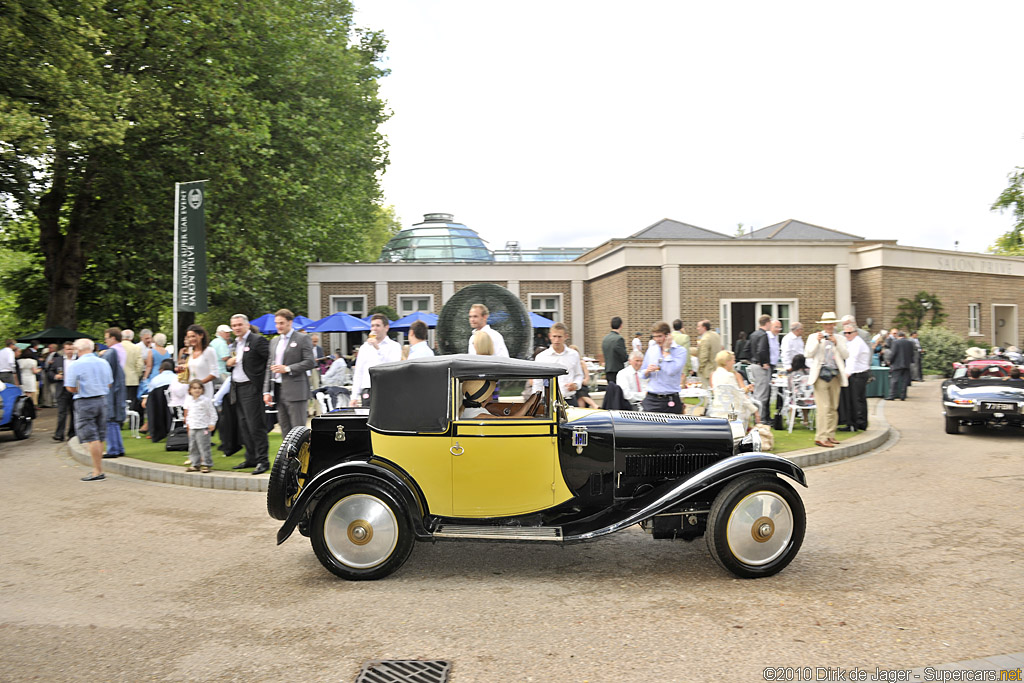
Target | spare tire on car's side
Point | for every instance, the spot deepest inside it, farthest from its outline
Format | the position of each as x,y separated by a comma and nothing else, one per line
289,473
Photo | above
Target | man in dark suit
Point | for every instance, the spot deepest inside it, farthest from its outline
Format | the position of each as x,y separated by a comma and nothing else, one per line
613,346
899,367
286,382
760,368
247,365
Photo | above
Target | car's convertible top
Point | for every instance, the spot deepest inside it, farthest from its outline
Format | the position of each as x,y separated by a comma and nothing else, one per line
413,396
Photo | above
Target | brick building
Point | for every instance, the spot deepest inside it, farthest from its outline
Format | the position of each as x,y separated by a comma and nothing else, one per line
792,270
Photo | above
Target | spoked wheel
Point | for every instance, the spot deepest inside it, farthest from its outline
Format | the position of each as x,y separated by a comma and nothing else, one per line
361,531
22,418
288,476
756,526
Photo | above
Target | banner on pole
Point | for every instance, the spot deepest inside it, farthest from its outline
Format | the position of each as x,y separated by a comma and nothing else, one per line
190,246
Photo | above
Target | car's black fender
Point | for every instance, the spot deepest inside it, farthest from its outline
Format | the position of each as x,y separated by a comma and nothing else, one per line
671,494
336,475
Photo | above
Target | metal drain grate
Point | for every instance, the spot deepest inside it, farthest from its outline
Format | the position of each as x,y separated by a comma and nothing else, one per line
405,671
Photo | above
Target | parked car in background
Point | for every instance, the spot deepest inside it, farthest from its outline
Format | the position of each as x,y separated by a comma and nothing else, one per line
990,367
995,399
17,412
424,463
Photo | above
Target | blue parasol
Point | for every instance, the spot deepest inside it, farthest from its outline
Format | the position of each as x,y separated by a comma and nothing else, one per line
540,321
405,323
338,322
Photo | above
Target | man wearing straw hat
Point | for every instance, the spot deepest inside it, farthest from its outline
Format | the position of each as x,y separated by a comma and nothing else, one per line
826,356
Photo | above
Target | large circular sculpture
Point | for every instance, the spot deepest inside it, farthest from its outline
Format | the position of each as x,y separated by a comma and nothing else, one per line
508,316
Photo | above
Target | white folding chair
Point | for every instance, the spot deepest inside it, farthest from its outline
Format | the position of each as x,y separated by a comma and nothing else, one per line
801,399
325,402
134,420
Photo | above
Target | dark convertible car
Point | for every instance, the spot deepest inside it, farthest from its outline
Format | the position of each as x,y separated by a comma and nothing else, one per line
438,457
994,401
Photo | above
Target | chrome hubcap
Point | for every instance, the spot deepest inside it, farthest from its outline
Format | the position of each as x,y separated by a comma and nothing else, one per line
759,528
361,531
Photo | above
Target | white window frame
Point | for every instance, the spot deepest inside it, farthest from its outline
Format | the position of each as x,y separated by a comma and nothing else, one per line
401,297
348,297
559,316
974,320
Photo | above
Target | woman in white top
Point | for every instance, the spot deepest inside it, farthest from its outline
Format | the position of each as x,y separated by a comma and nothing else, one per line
725,375
28,368
200,358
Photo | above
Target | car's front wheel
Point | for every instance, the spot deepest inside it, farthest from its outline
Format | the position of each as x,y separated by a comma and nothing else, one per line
952,425
360,530
756,526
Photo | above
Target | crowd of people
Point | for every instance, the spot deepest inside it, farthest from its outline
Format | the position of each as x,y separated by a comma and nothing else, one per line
240,371
828,370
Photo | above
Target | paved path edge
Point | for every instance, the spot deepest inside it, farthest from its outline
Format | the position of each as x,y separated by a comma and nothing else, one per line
169,474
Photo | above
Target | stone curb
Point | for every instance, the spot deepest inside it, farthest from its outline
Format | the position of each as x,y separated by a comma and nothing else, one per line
169,474
877,434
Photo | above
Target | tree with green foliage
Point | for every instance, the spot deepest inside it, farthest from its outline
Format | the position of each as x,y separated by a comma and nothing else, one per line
391,313
1011,243
911,313
105,104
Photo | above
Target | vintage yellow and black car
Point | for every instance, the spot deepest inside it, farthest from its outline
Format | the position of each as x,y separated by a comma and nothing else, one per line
457,448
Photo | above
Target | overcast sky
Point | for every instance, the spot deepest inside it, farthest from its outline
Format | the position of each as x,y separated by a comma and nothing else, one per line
568,123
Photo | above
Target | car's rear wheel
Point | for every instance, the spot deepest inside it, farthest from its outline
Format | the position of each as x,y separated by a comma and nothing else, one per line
952,425
288,476
756,526
360,530
22,418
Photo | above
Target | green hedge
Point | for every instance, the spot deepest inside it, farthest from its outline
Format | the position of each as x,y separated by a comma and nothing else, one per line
940,348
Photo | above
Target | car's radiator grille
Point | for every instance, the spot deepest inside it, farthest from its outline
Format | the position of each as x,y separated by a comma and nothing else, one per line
667,464
654,417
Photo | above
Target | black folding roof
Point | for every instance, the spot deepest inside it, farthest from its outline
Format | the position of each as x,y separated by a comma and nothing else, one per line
413,396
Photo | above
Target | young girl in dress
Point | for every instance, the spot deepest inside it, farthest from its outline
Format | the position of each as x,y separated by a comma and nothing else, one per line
200,418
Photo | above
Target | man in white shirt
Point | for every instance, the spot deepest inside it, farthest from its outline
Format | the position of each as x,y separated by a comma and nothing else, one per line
377,349
632,381
478,321
560,354
792,344
418,341
853,401
8,363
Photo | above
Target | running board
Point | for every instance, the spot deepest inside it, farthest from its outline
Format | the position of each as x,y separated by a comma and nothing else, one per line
500,533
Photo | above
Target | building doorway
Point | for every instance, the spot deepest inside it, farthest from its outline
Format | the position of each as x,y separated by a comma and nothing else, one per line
740,315
1004,325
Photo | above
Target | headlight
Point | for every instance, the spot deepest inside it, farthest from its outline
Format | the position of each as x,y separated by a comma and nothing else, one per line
964,401
737,430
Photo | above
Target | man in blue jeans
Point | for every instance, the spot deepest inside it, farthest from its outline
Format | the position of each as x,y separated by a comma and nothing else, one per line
89,379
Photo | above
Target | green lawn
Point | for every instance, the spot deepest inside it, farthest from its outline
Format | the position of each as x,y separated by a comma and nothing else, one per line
801,437
144,449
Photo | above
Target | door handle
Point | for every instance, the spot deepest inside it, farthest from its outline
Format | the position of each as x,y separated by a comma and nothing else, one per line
457,449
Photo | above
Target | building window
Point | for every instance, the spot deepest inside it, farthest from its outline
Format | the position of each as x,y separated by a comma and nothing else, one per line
547,305
353,305
974,319
412,303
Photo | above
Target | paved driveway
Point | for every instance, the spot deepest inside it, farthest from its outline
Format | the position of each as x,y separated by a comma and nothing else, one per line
912,557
